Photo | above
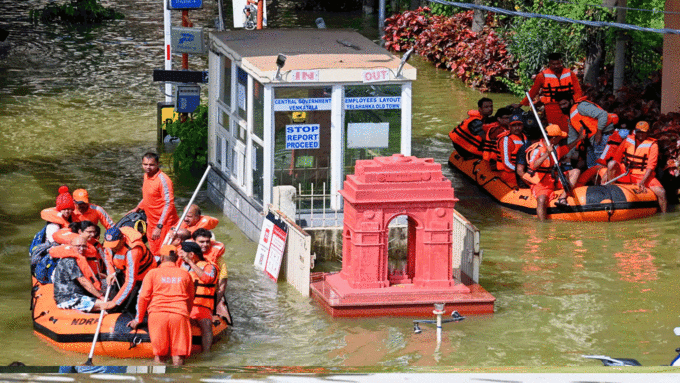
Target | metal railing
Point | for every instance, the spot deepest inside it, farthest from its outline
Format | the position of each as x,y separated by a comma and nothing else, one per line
313,208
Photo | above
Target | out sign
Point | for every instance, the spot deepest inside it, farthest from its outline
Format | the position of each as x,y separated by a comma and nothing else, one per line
375,75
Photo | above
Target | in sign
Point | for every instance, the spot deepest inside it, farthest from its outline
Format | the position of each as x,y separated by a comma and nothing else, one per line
374,75
303,76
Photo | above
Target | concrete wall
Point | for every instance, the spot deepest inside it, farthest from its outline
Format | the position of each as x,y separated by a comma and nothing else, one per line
670,83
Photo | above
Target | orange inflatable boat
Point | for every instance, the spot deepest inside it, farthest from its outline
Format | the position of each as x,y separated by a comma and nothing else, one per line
73,330
615,202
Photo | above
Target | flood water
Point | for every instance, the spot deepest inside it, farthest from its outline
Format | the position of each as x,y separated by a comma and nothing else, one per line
78,107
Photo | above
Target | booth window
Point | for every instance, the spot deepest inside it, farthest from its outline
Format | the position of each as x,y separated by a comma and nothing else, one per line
302,135
242,93
258,167
372,123
258,109
226,82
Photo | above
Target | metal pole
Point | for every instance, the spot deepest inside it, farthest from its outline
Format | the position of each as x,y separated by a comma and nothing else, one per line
185,23
167,25
381,21
168,238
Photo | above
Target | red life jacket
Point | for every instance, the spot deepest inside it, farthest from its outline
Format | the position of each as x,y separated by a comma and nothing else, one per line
610,149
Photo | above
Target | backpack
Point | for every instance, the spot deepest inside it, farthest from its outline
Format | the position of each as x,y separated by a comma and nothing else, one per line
136,220
42,264
38,239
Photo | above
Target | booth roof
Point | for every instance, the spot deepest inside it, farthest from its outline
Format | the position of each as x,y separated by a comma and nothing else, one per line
307,49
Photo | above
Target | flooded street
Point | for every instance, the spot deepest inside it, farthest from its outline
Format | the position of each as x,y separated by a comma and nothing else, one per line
78,107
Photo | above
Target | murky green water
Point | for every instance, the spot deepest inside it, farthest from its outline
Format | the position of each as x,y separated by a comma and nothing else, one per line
77,107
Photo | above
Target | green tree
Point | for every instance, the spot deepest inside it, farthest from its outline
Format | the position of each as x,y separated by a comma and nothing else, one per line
191,155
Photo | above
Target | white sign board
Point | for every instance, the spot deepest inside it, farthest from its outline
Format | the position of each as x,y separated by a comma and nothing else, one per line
368,135
303,76
301,104
241,13
375,75
356,103
302,136
271,246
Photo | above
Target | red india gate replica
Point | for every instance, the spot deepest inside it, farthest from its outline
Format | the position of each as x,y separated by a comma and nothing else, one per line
381,190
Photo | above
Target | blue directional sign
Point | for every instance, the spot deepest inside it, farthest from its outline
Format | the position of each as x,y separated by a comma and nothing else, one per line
185,4
187,40
188,97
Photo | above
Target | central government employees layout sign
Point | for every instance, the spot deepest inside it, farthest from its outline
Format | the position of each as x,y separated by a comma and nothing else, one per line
357,103
271,246
302,136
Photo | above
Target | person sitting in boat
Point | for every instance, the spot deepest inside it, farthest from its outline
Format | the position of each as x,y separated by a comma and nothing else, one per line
213,252
58,217
551,81
76,285
541,162
90,232
591,117
508,145
126,254
179,237
489,144
638,154
195,220
167,293
468,135
597,172
86,211
204,275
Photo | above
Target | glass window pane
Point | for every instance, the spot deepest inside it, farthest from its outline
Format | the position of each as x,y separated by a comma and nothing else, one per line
242,93
258,168
218,152
226,82
258,109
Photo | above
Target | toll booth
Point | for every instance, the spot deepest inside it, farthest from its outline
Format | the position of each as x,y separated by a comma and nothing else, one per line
299,107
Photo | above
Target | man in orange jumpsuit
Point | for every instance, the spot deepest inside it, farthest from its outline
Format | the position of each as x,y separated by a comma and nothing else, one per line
85,211
158,202
205,275
167,294
551,81
213,252
639,154
126,252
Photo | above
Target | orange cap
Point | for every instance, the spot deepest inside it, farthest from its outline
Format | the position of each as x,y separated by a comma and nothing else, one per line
613,118
166,249
80,195
642,126
553,130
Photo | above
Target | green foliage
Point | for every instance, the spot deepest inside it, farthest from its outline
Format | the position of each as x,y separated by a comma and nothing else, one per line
192,152
75,12
443,10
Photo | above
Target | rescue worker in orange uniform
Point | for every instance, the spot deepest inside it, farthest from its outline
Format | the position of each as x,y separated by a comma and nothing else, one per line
158,202
167,294
591,117
509,144
204,275
639,154
551,81
85,211
76,285
467,137
58,217
213,252
125,252
489,145
540,161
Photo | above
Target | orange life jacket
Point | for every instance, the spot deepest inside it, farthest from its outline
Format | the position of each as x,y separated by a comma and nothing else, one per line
133,239
612,144
462,136
553,85
215,253
489,144
508,148
86,264
205,292
578,120
534,151
204,222
635,158
51,215
64,236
